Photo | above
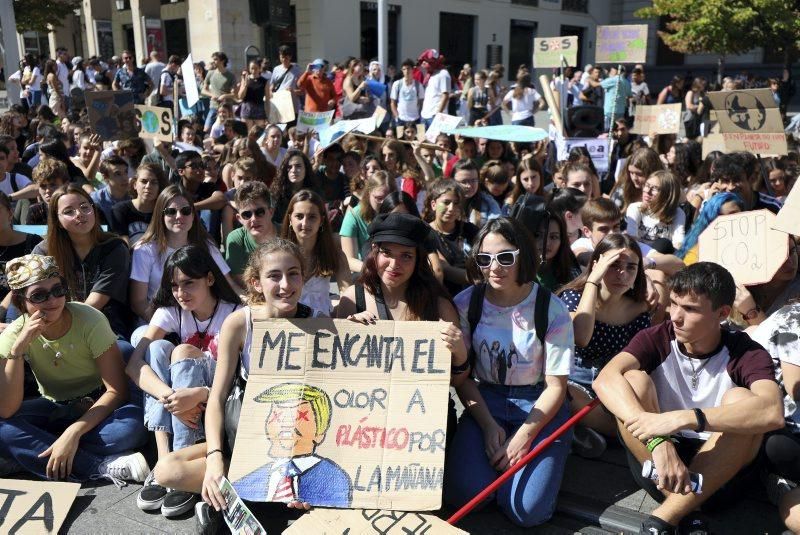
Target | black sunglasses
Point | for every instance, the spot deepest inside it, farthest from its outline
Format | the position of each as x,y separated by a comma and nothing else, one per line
247,214
39,297
172,212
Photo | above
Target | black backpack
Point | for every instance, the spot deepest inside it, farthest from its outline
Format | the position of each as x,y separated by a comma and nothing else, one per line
475,310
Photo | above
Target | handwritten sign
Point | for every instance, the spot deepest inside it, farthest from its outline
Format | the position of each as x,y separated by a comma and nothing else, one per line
344,415
548,51
370,522
34,507
111,114
763,143
658,119
746,245
621,44
442,122
154,122
281,107
788,219
189,81
746,111
310,121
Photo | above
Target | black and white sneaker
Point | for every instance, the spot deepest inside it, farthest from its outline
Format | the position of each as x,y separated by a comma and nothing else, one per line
177,502
694,524
653,525
152,494
208,520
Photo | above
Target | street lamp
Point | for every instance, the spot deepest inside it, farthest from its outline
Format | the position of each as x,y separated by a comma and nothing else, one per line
120,5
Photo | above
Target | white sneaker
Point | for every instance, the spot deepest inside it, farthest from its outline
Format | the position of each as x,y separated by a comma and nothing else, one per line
122,468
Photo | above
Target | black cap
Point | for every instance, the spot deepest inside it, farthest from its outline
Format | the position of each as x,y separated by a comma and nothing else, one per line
404,229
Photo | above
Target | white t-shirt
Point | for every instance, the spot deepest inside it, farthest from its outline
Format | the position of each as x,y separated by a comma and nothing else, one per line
437,84
5,184
148,265
522,108
36,79
203,335
79,79
408,98
62,71
647,228
154,70
166,79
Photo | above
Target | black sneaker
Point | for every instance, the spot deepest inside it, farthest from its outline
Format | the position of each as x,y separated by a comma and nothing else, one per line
208,520
587,442
152,494
177,502
694,524
653,525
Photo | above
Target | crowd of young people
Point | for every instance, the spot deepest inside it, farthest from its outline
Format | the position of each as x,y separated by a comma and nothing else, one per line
559,285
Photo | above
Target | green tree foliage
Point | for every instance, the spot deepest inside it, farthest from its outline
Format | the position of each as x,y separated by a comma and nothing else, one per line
37,15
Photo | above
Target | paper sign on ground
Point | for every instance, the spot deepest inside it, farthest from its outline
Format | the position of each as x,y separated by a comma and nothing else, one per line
547,51
788,219
442,122
370,522
154,122
238,517
189,81
311,121
621,44
598,150
111,114
713,142
344,415
746,245
746,111
34,507
281,107
658,119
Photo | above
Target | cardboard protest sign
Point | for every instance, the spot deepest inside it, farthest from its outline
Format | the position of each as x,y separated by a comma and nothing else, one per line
442,122
34,507
763,143
658,119
111,114
621,44
749,121
746,245
281,107
598,150
548,51
370,522
154,122
189,81
344,415
237,515
713,142
788,219
310,121
334,133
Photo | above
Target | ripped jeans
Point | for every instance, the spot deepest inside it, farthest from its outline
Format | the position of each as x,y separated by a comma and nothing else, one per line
186,373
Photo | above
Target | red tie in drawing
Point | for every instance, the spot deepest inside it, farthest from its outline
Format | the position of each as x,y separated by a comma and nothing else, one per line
285,490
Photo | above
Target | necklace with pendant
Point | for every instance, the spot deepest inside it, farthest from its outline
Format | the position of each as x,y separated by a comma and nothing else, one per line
696,371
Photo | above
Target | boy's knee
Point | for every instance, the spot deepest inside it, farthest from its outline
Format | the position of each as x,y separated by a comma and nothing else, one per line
185,351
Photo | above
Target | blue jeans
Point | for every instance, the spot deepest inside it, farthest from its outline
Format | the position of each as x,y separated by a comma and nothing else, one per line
186,373
39,422
34,99
529,498
211,116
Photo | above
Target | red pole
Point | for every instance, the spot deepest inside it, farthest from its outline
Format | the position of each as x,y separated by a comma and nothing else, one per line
505,476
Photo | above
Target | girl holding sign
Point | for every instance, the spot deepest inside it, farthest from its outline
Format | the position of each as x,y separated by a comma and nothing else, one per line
274,276
522,364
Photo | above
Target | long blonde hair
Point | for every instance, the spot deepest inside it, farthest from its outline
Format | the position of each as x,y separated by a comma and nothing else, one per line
379,179
252,271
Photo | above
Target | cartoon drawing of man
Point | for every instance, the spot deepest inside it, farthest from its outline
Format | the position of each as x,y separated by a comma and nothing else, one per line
298,418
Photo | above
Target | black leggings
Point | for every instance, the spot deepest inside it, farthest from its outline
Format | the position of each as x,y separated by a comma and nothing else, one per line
782,449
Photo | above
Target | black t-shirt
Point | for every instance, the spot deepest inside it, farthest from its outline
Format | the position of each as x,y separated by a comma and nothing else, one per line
332,190
10,252
451,247
126,220
203,192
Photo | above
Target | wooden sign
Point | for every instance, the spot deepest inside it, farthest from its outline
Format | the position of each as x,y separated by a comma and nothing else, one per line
658,119
340,414
548,51
154,122
788,219
281,107
746,245
34,507
370,522
111,114
621,44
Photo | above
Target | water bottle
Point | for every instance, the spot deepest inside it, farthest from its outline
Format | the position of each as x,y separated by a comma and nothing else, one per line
695,480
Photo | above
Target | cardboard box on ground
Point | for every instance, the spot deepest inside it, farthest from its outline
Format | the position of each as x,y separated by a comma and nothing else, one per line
340,414
34,507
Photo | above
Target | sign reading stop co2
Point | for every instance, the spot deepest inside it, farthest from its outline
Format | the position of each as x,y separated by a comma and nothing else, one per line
746,245
154,122
547,51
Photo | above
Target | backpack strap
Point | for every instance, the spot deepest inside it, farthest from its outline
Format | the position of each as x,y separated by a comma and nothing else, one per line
474,313
14,186
361,301
541,313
